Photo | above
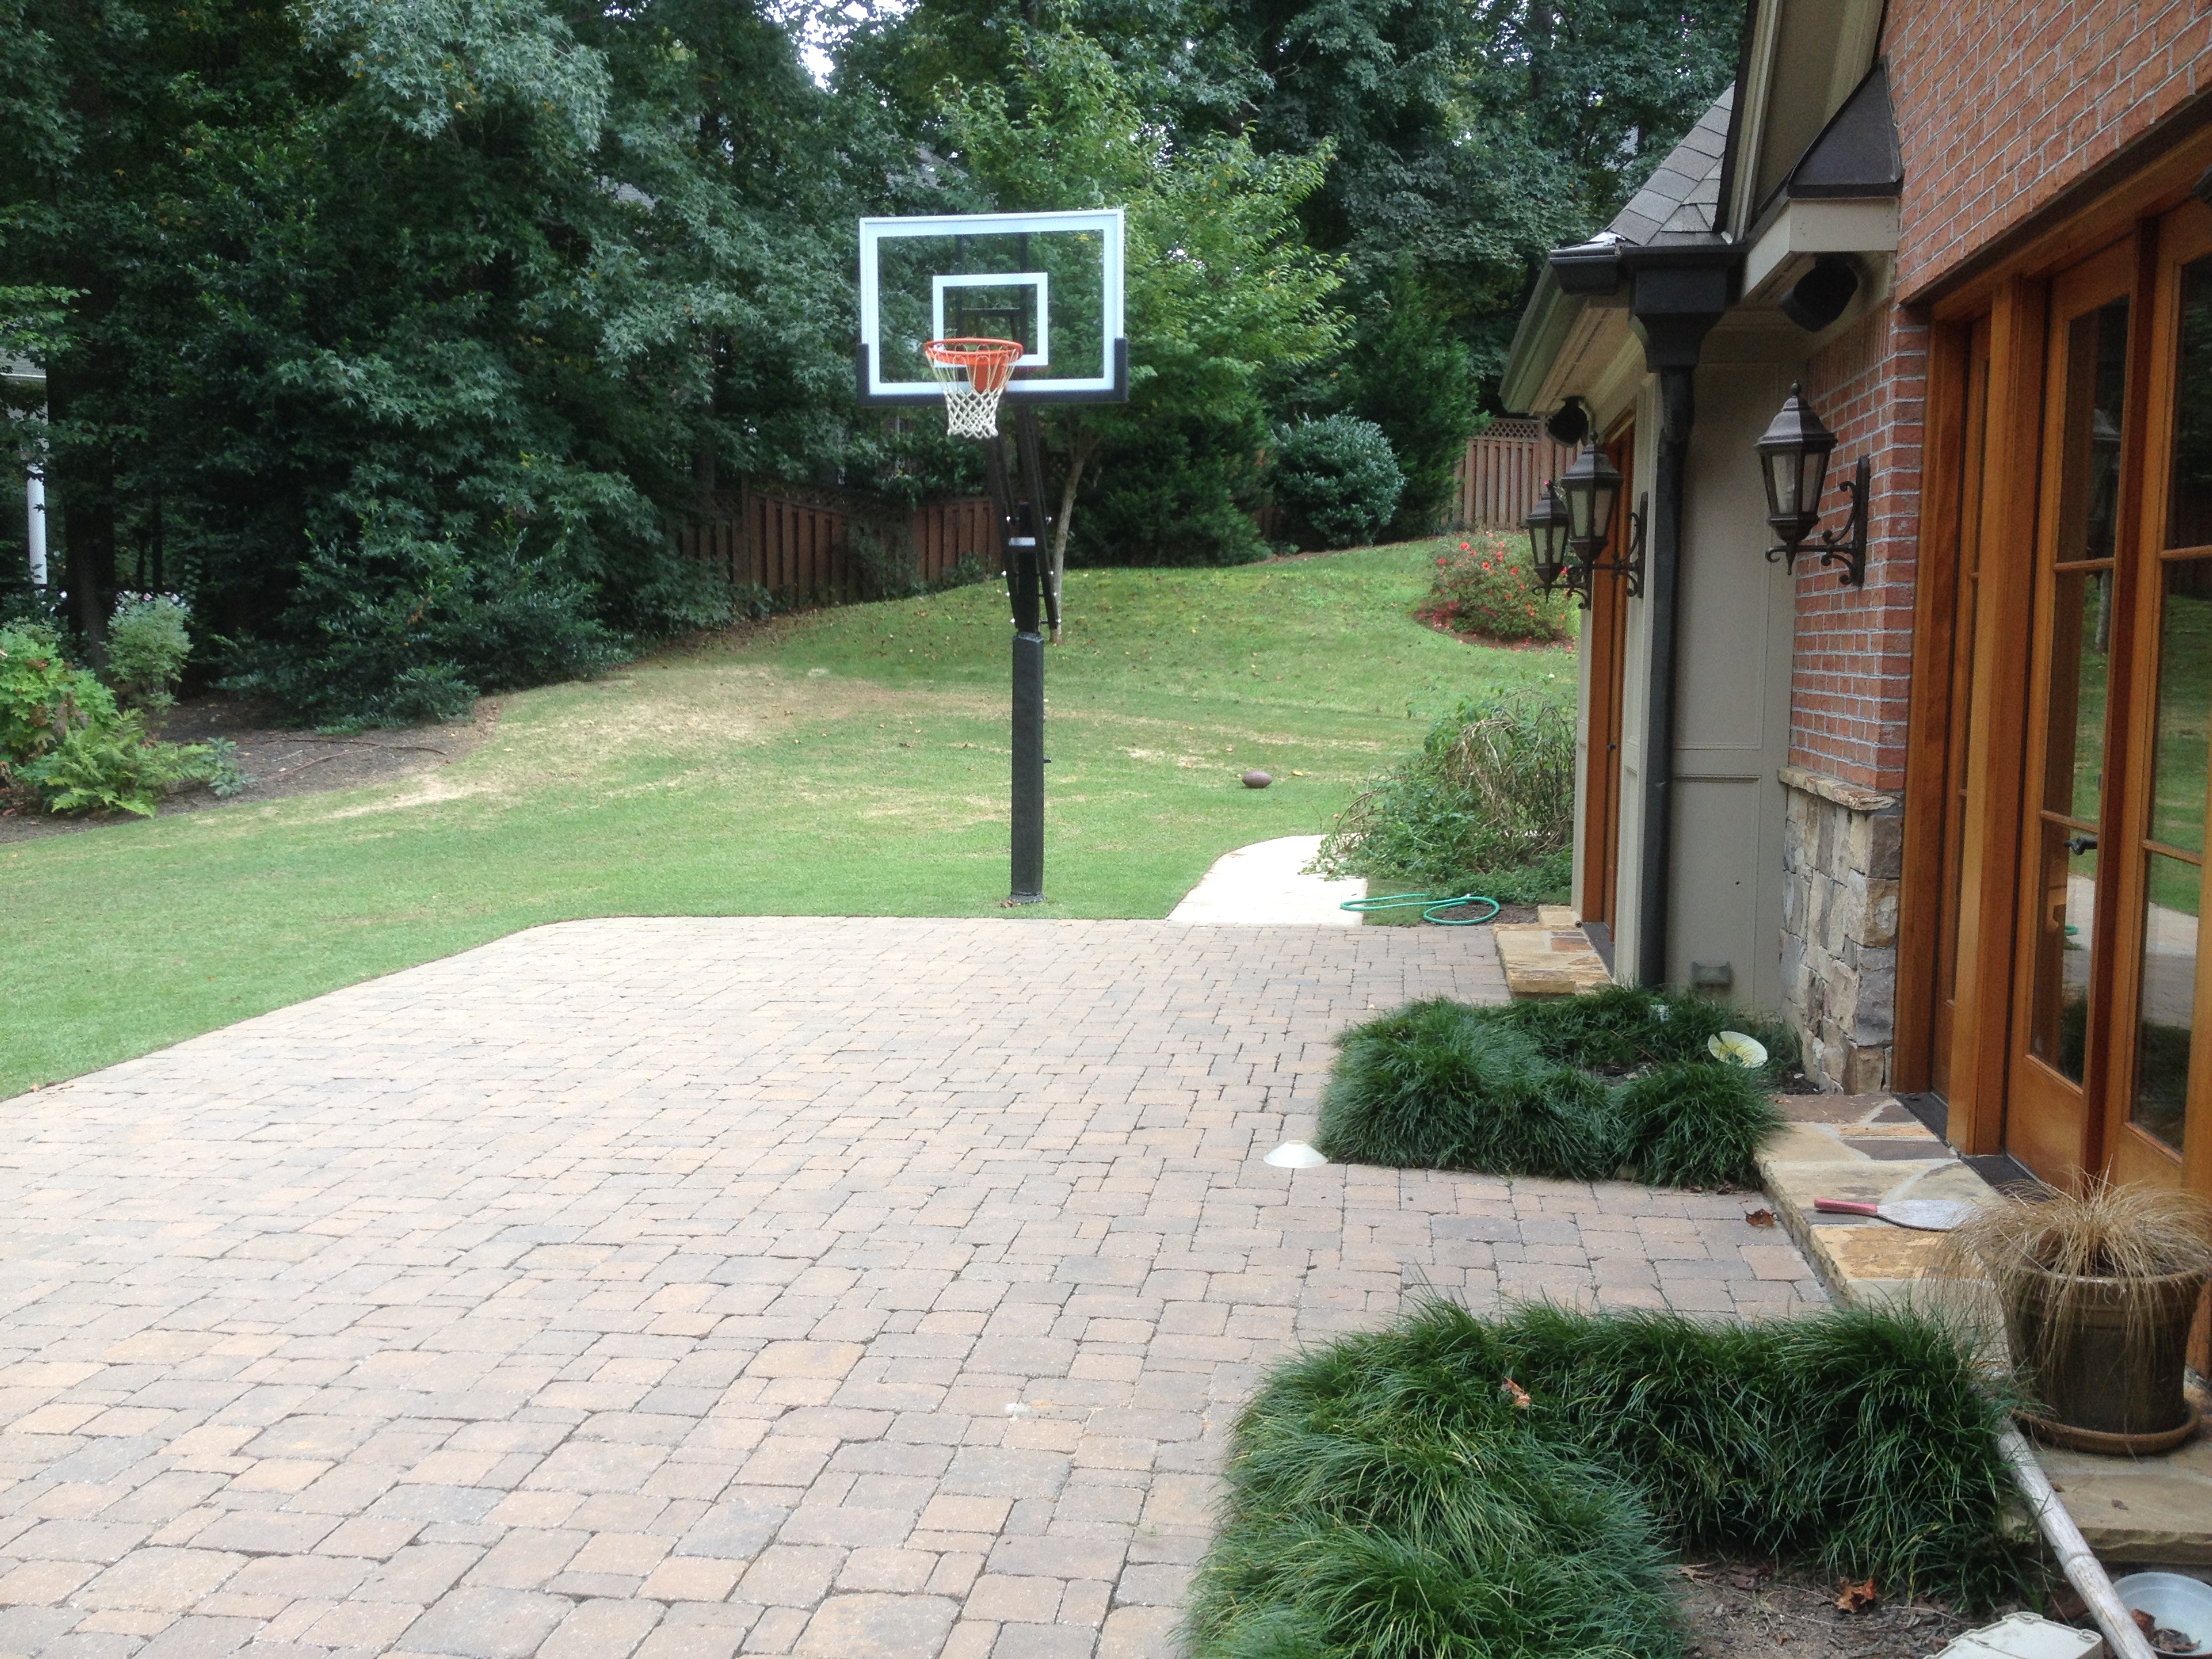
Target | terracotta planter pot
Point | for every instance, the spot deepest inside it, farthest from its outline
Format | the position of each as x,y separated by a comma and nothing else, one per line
2106,1354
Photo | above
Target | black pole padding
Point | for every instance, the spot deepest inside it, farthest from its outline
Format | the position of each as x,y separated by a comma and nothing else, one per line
1028,763
1033,487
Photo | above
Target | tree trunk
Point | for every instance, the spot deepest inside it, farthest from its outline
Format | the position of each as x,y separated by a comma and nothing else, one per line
1079,454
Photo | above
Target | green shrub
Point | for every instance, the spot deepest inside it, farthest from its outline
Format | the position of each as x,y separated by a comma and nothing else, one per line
1336,480
42,697
63,738
1483,585
1619,1027
396,630
1387,1499
1411,375
147,645
1693,1123
1173,487
1514,1090
1862,1442
1427,1087
114,767
1491,789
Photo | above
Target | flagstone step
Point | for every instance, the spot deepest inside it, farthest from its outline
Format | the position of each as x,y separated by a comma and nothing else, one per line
1550,956
2155,1510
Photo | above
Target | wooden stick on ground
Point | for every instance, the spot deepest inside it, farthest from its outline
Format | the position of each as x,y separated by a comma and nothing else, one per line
2121,1634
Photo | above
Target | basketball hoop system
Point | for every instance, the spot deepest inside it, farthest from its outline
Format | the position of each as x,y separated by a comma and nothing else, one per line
982,309
973,373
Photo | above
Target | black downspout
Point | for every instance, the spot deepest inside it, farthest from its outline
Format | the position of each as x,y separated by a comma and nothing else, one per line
1678,294
1678,411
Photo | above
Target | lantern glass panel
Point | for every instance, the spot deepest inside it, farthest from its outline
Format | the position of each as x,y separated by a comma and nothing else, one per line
1811,472
1547,528
1781,484
1603,497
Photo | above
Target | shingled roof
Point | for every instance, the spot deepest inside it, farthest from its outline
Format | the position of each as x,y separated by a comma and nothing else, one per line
1680,201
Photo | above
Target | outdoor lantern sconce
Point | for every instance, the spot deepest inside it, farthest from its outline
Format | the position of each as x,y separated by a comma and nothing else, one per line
1793,460
1579,512
1547,525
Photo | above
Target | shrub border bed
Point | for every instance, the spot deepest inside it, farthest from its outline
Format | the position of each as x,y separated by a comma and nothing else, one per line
1514,1487
1613,1085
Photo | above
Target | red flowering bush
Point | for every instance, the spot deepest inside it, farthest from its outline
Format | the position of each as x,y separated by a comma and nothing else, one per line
1483,585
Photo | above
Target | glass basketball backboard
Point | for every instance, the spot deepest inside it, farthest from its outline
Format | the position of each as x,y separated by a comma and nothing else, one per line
1050,281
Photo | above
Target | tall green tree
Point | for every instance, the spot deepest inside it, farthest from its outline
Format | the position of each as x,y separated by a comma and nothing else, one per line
1222,291
404,332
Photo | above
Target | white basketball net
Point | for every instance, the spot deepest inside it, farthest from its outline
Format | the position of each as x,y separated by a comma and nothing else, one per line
974,373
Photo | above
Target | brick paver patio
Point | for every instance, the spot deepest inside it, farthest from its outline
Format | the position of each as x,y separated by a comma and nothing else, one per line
696,1287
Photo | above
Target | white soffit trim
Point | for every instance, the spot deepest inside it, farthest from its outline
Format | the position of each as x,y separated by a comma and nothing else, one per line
1587,356
1819,227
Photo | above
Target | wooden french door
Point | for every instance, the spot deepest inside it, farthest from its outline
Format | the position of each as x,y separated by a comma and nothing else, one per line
2103,1073
1963,593
1607,634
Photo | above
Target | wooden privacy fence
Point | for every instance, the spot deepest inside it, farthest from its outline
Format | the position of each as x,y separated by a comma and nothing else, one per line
1504,465
797,542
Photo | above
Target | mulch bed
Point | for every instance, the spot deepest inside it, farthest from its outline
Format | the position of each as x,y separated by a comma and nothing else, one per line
1746,1610
282,761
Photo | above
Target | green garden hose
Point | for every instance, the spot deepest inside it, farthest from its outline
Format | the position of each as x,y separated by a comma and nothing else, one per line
1432,904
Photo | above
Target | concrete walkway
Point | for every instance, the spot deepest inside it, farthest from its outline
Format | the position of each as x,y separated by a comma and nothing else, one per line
1265,883
845,1288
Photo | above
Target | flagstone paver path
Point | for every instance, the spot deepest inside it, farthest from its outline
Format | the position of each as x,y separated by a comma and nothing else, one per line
843,1288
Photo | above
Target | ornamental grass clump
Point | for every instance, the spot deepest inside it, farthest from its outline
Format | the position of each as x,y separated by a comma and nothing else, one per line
2098,1288
1484,587
1491,789
1426,1087
1616,1085
1513,1486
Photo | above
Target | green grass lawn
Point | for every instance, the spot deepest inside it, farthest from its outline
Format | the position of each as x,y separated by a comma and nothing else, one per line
845,763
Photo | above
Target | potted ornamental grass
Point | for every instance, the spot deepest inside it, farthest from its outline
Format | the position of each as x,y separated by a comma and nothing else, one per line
2098,1290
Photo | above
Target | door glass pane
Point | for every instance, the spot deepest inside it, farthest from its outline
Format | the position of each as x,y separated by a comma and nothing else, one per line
2067,902
2189,516
2081,643
2096,391
2169,996
2184,707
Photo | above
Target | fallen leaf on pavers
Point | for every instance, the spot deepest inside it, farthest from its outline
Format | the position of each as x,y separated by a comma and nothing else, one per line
1857,1598
1759,1217
1514,1392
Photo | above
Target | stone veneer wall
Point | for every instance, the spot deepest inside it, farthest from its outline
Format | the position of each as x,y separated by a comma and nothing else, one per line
1842,855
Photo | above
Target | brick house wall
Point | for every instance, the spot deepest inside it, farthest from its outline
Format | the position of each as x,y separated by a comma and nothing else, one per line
1999,109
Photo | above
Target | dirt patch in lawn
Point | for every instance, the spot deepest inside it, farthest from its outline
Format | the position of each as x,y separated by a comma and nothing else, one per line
1739,1610
281,761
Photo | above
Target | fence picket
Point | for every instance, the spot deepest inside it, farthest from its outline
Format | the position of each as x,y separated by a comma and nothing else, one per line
1503,466
797,543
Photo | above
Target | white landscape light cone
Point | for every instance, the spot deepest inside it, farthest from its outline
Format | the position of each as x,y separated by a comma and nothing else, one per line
1295,1155
1735,1049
